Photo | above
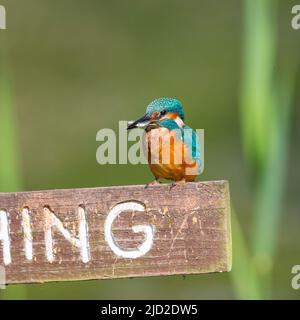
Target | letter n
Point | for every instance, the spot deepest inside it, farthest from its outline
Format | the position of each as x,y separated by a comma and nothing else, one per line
81,242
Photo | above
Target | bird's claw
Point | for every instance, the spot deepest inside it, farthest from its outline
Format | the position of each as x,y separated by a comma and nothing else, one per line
177,183
172,185
151,184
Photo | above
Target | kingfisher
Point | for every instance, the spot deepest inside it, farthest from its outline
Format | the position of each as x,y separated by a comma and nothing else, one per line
172,148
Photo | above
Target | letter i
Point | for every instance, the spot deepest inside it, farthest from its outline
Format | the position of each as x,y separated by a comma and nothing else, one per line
27,233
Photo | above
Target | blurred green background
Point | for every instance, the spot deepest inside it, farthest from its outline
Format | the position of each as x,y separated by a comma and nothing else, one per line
69,68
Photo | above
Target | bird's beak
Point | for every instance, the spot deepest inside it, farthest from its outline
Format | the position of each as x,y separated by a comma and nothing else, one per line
141,122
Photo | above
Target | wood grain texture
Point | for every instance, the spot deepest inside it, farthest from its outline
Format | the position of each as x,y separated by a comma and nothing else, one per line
192,232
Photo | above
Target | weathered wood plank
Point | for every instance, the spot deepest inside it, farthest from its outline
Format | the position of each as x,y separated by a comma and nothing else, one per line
190,226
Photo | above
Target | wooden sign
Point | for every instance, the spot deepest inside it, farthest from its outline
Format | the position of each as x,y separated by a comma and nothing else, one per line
115,232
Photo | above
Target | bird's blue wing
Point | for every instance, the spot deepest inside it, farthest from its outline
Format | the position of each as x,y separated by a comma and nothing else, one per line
192,140
189,137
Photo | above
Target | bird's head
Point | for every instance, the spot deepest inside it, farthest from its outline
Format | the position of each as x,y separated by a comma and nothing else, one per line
157,110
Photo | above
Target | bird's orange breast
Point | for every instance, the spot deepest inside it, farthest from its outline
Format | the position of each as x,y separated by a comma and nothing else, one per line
168,157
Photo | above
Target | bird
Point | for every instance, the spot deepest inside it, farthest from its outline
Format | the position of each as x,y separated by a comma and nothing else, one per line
173,148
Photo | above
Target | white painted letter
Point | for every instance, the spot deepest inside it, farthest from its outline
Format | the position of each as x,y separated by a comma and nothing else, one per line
2,278
4,237
27,233
147,229
82,242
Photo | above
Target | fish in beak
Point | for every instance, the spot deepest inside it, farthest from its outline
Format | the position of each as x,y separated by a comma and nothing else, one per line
139,123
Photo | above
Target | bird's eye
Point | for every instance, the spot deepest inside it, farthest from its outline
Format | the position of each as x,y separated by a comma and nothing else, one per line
163,112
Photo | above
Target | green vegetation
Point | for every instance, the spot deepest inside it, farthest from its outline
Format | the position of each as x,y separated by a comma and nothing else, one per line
67,72
266,104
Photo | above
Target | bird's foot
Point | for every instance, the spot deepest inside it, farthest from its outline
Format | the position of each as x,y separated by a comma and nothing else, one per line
152,183
177,183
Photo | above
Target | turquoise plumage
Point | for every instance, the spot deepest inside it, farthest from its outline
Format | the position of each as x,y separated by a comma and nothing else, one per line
166,104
